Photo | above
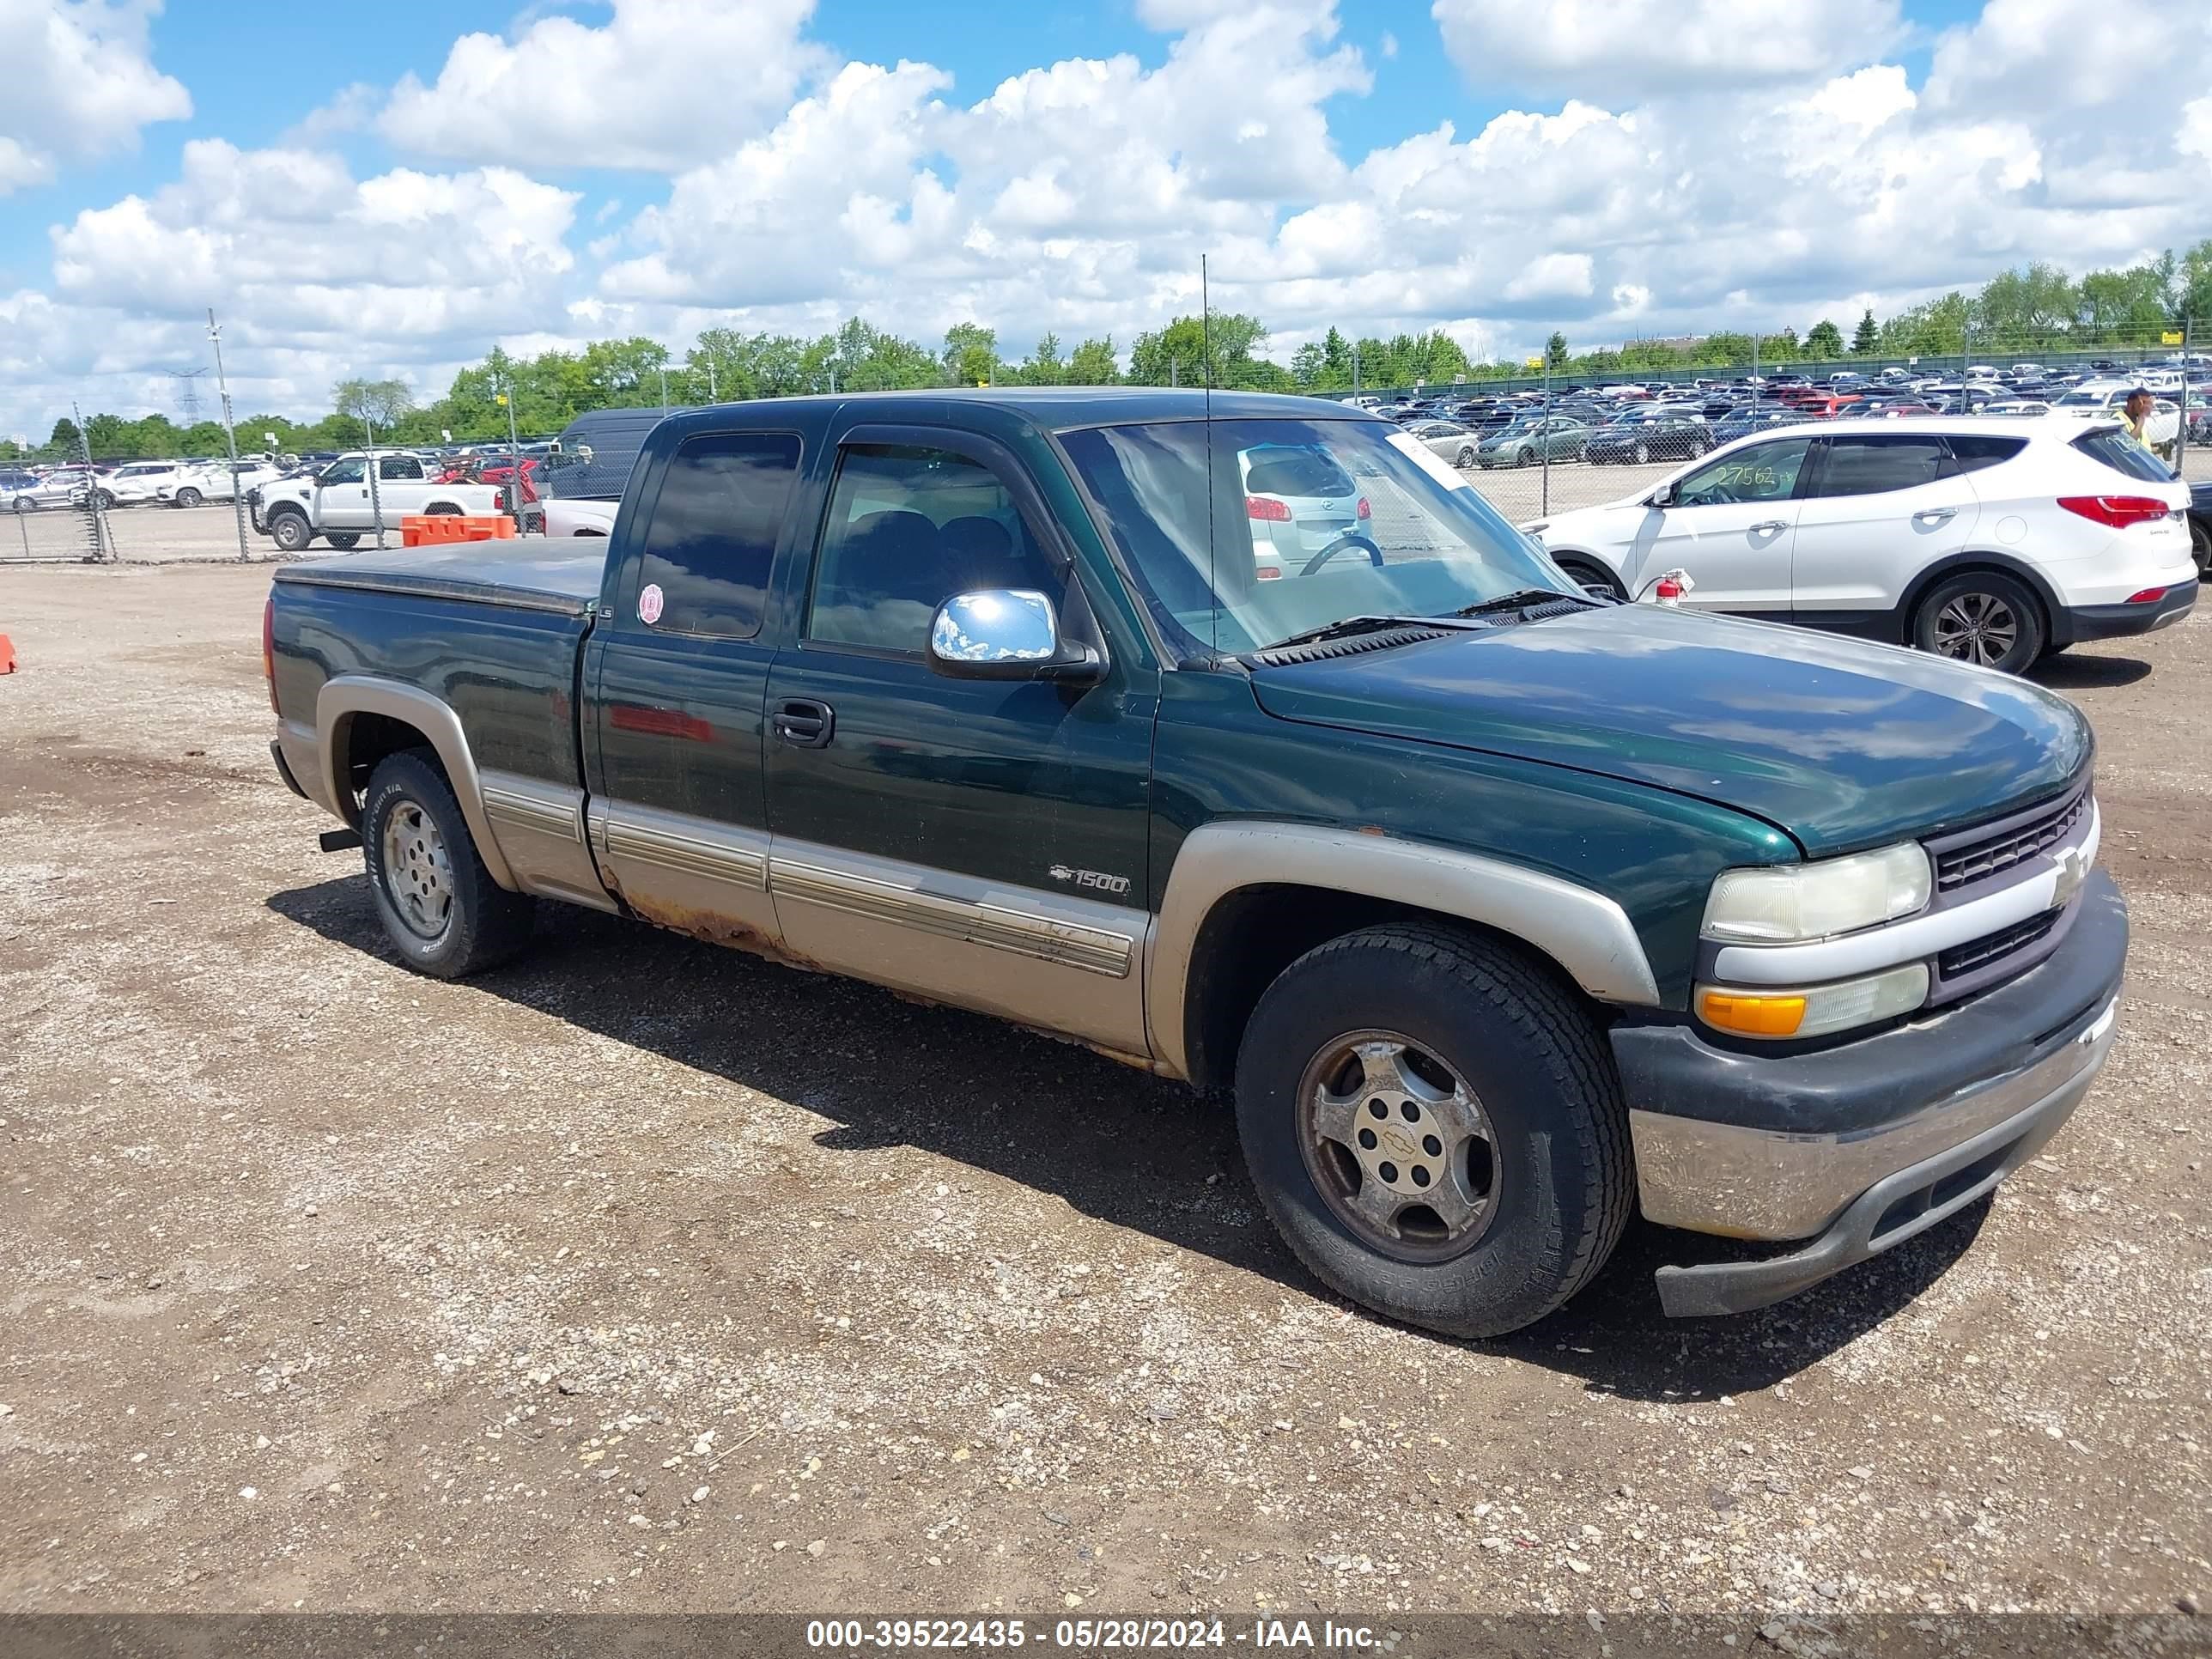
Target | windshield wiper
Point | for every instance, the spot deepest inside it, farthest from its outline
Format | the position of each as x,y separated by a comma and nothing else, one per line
1349,626
1518,599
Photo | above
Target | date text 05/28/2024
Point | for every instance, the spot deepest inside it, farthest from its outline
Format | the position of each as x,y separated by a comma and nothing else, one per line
1085,1635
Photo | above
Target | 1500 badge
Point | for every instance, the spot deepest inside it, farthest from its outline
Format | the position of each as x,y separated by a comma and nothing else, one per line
1097,879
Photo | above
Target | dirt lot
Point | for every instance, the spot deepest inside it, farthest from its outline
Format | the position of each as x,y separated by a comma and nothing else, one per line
640,1275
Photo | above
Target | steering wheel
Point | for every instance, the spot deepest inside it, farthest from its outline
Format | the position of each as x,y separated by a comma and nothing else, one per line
1350,539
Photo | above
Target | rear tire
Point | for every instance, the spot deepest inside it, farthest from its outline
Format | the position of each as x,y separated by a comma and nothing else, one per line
443,510
25,504
1643,452
189,497
1477,1035
440,907
2200,542
1466,457
1982,617
343,539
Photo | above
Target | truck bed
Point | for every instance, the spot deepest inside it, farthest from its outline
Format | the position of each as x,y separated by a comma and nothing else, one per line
531,576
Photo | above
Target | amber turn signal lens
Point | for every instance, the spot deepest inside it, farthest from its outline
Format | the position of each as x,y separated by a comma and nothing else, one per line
1752,1015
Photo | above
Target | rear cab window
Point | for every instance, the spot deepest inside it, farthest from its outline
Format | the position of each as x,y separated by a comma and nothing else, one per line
713,531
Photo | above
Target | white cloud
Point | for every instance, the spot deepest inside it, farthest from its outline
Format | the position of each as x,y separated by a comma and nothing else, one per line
1553,275
1615,48
80,84
661,84
1804,181
316,275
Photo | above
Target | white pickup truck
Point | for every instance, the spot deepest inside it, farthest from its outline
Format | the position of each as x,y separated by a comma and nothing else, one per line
336,505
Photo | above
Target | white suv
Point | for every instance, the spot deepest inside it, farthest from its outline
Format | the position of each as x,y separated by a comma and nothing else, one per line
1993,541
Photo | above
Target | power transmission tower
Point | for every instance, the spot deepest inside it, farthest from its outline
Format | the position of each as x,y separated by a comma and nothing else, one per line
188,392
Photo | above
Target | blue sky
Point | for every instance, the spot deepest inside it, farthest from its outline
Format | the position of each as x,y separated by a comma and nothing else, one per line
369,191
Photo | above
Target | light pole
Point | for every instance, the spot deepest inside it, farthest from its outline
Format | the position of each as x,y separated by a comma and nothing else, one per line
230,432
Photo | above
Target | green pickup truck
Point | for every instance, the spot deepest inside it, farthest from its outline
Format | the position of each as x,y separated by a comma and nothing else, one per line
1242,741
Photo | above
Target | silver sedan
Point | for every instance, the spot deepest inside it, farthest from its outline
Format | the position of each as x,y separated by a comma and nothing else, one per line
1448,439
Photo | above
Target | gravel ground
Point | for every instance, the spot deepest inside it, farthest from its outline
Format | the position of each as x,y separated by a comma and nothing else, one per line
640,1275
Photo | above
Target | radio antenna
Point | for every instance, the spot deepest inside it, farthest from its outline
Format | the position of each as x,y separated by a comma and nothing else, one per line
1205,368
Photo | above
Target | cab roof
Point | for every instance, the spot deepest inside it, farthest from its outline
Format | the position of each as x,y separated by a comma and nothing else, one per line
1071,407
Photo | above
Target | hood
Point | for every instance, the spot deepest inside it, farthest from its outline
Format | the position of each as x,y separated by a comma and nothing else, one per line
1840,745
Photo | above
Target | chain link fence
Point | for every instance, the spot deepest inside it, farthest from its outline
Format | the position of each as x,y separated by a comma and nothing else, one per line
1544,441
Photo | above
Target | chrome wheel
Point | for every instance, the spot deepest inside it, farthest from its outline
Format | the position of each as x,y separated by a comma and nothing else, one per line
1399,1147
418,876
1977,627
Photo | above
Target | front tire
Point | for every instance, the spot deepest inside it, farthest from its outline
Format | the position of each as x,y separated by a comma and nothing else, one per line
440,907
1590,575
290,532
1433,1125
1643,452
1981,618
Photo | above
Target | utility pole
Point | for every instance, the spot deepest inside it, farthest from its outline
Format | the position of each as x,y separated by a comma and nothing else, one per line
513,457
229,434
664,386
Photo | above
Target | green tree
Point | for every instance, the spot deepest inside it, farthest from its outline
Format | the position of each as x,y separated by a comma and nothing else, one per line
1043,366
1555,350
380,403
1094,363
2031,305
66,440
1176,355
2192,293
1937,328
971,355
1824,341
1309,364
1335,362
2127,305
1867,335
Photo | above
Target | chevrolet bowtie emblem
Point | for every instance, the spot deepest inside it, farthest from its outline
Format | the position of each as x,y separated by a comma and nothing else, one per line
2073,871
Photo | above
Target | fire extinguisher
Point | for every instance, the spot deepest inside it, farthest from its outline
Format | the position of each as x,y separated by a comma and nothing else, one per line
1671,587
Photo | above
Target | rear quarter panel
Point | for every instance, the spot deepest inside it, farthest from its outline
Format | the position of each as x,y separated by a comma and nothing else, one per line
508,672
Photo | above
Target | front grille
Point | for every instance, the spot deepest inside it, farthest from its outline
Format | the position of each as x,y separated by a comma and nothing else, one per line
1978,860
1963,959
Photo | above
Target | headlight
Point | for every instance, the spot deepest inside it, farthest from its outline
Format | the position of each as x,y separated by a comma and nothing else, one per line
1785,903
1815,1010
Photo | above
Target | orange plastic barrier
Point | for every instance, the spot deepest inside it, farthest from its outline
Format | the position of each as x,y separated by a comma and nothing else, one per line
432,530
7,655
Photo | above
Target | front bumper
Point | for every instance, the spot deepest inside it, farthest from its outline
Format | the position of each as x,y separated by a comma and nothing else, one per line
2110,622
1860,1147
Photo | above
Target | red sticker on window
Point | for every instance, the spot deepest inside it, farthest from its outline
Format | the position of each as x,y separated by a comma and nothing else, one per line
648,604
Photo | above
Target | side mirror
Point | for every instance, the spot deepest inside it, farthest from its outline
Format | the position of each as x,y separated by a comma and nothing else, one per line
1664,497
1006,633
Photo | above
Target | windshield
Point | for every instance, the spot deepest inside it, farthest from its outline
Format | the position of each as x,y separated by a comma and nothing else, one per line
1294,525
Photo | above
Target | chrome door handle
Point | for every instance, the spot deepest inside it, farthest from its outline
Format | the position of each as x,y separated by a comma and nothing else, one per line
1935,515
1772,524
